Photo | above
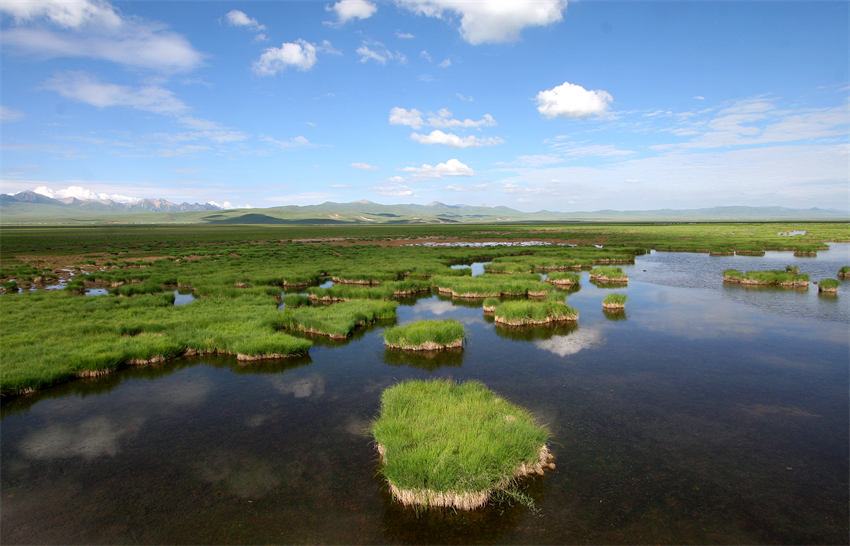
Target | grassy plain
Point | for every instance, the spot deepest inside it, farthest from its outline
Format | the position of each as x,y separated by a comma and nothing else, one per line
238,272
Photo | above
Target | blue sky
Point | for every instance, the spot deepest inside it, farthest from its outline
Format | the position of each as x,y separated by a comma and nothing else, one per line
531,104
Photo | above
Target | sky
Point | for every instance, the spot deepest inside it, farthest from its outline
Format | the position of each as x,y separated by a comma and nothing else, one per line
531,104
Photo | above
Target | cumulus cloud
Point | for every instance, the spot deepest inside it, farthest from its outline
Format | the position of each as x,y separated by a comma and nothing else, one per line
376,51
410,118
570,100
238,18
452,167
94,29
300,54
455,141
443,120
364,166
493,21
85,88
347,10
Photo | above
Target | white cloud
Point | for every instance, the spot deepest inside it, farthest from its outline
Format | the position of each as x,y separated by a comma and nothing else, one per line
492,21
459,188
238,18
445,63
65,13
404,35
464,98
376,51
96,30
572,101
443,120
300,54
425,55
411,118
353,9
452,167
10,114
84,88
395,179
393,189
210,130
455,141
295,142
222,205
364,166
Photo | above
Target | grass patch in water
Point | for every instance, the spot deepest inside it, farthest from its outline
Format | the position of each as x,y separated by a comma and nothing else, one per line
296,300
491,286
773,277
613,302
828,286
563,279
521,313
448,444
426,335
608,275
844,272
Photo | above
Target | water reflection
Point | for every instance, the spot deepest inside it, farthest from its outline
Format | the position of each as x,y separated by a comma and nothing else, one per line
94,437
427,360
579,339
182,298
532,333
239,474
311,387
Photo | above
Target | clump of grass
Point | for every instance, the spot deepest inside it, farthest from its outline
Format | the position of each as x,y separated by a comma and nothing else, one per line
295,300
844,272
426,335
792,269
491,286
563,278
521,313
773,277
608,275
335,321
490,304
452,445
614,302
828,286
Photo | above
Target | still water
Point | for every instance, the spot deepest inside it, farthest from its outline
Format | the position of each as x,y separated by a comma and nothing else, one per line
704,414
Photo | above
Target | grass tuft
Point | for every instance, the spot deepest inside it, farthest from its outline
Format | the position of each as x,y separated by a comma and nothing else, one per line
426,335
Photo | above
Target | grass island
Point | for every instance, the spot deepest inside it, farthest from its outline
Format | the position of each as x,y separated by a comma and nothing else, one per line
426,335
563,279
844,272
523,313
614,302
608,275
444,444
828,286
773,277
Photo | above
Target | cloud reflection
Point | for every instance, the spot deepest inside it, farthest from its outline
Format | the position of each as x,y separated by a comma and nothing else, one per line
312,386
583,338
92,438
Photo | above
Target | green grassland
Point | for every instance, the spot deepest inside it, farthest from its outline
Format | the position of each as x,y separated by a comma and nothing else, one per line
238,273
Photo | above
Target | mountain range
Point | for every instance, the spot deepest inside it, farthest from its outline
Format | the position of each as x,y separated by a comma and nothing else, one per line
28,207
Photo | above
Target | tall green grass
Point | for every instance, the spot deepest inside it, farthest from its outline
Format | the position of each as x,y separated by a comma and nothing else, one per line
337,320
614,301
608,274
773,277
519,313
459,440
828,285
426,335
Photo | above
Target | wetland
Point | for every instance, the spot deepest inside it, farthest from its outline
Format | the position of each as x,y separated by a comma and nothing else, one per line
707,412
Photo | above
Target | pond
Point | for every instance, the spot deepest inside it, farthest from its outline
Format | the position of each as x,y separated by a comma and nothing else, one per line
704,414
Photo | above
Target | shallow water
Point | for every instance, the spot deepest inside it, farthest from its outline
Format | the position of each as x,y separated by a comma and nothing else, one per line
703,414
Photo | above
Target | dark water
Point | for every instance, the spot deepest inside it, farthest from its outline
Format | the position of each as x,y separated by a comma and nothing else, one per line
703,414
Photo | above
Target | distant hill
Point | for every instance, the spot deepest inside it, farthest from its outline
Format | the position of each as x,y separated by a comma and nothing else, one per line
32,208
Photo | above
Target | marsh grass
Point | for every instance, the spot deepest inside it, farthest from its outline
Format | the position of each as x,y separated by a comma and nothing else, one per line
608,275
337,320
844,272
426,335
448,444
522,313
828,286
773,277
563,279
58,335
614,302
490,286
